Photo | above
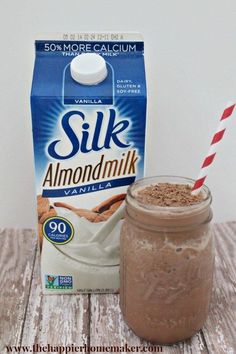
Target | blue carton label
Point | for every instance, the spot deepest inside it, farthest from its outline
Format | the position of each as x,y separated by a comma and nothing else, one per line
89,146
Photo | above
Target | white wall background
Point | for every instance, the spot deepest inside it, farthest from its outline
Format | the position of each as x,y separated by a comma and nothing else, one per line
191,72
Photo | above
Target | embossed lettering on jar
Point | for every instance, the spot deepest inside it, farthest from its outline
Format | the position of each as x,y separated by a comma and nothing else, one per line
167,261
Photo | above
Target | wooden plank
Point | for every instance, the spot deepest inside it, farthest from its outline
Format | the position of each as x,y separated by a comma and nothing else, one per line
194,345
55,319
17,254
108,328
220,330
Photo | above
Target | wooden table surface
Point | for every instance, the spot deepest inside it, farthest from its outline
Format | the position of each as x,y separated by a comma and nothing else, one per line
28,317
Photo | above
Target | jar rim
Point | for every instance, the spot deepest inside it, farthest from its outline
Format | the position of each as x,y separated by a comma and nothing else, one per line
143,182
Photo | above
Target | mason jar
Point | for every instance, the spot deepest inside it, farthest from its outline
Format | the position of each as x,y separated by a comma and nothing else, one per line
167,261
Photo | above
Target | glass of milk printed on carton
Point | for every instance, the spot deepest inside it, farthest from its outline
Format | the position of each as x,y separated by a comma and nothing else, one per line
88,105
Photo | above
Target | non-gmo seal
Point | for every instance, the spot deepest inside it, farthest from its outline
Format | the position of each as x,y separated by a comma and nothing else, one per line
58,230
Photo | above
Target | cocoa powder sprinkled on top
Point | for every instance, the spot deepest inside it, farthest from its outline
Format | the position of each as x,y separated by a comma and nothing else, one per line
168,194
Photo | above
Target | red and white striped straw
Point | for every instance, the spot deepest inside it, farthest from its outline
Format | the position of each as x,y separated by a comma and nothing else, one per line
217,137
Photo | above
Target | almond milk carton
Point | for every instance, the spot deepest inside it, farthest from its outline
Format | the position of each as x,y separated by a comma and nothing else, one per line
88,105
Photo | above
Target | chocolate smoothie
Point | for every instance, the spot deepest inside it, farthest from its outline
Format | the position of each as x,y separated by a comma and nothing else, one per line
166,259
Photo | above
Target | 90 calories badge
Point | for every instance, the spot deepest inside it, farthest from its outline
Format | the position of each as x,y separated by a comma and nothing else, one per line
58,230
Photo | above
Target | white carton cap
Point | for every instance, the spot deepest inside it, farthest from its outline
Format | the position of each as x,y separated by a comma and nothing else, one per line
88,69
